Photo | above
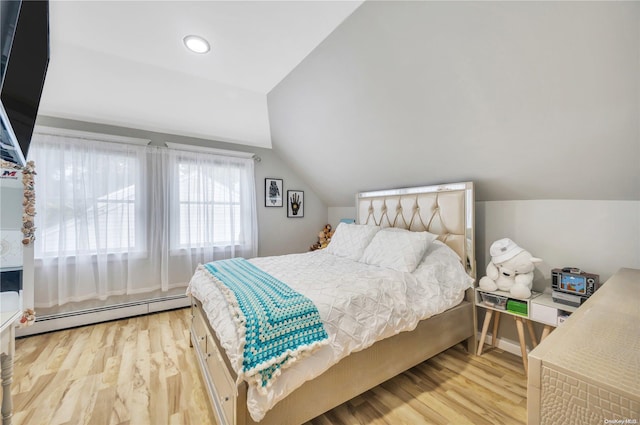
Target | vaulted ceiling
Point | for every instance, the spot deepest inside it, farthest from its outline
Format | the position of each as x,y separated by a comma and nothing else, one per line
124,62
531,100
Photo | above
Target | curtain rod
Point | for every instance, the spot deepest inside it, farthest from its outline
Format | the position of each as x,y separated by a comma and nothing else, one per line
102,137
88,135
216,151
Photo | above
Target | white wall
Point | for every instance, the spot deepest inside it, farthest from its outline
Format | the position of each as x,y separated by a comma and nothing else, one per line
595,236
153,95
335,214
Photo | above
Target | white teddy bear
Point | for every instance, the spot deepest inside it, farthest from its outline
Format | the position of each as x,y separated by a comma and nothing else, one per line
510,270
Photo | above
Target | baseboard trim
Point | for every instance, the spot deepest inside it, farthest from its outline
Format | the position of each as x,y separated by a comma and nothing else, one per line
102,314
507,345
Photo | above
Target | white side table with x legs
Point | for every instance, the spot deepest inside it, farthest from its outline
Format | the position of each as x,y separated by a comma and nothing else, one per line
540,309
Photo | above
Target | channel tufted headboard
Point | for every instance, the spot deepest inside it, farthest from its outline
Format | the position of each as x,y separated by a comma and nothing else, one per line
446,210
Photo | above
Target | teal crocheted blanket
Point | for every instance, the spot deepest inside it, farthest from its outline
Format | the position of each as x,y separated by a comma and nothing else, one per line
276,324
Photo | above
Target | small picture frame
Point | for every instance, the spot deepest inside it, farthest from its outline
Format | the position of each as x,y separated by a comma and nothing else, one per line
273,192
295,203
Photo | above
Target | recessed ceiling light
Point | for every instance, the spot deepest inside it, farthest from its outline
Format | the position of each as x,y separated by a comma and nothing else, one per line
196,44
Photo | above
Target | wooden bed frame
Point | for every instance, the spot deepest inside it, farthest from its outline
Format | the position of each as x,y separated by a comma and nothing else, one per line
447,210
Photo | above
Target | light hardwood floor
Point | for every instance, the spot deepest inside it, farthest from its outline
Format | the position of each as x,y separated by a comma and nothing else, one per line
142,371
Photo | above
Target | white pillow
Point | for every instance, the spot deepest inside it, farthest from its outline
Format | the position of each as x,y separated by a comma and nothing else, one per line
442,265
350,240
397,249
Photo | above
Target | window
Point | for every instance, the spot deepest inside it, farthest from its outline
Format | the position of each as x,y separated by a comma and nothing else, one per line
86,198
209,190
98,202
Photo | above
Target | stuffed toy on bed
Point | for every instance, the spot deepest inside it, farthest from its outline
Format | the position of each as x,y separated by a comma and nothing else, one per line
324,237
510,270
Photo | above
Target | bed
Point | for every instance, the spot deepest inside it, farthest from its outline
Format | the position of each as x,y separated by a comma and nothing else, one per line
306,389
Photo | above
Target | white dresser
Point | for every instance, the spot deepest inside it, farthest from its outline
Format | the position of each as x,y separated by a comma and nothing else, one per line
588,370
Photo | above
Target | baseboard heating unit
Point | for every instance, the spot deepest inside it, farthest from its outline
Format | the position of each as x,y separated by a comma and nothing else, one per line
86,316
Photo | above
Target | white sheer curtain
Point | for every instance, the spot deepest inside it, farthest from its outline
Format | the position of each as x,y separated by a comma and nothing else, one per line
213,209
116,218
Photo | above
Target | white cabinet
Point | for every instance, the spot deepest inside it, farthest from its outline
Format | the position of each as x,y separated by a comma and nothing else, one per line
545,310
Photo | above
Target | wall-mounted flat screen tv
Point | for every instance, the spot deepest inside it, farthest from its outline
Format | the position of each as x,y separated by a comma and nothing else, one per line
9,148
24,40
8,20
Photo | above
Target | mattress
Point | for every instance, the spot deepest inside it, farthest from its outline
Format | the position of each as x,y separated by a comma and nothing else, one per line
359,304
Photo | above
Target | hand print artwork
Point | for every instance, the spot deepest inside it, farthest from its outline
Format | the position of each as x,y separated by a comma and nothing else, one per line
295,203
273,192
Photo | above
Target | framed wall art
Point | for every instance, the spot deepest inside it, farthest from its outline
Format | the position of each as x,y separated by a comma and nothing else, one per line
295,203
273,192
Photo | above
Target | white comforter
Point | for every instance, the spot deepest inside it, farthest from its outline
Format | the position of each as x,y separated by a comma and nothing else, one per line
358,303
